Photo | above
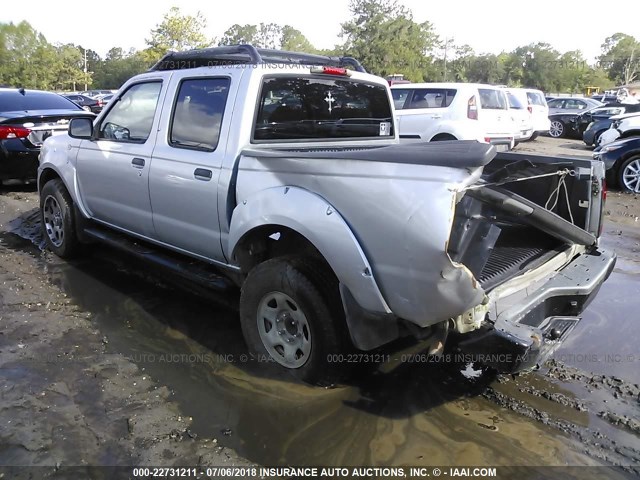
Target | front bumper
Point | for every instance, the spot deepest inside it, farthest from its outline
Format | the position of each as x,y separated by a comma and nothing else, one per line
523,336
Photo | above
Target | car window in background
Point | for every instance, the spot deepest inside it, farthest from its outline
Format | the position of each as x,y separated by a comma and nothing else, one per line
432,98
492,99
399,97
130,119
536,99
197,116
514,102
13,100
574,104
557,103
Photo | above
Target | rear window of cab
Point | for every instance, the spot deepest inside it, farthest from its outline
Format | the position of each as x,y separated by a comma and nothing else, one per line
310,108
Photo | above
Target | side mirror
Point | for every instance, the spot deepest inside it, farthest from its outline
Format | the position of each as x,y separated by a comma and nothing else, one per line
81,128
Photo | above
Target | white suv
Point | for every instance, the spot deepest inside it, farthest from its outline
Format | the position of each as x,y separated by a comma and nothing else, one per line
537,108
454,111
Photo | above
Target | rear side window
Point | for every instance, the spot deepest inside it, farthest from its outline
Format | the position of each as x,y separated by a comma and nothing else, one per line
514,102
295,108
492,99
197,115
400,97
13,100
536,98
432,98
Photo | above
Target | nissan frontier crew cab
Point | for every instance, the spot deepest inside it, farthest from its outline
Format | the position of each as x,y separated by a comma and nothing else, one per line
281,174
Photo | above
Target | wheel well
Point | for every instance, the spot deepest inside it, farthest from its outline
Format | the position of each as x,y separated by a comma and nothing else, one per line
443,136
47,175
271,241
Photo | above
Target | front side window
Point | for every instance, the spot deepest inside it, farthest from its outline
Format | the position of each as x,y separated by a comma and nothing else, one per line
131,117
555,103
492,99
197,115
299,108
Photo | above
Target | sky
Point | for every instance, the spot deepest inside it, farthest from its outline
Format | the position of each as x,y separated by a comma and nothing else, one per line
488,26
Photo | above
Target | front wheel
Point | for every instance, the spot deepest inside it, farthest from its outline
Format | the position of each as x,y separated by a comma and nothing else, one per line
56,216
629,175
557,129
290,310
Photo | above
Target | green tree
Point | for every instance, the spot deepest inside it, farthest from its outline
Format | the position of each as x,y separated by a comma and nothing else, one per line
240,34
384,37
294,41
621,58
26,58
177,32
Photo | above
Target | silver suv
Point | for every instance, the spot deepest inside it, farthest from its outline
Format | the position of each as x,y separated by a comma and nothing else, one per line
281,174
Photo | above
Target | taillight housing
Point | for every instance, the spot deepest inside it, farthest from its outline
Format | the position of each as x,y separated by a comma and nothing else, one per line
472,109
8,132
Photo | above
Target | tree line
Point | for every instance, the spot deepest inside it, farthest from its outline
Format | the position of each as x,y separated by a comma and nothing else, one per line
382,34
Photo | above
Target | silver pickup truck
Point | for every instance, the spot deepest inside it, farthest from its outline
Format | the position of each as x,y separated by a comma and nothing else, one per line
282,174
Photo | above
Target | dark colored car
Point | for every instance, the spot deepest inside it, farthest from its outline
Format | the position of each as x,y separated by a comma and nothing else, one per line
601,123
27,119
574,124
622,161
91,104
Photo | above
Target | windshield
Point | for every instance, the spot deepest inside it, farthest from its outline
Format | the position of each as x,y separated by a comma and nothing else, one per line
295,108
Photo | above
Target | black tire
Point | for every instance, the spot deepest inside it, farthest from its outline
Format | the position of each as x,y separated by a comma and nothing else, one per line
313,291
57,219
557,129
596,137
631,169
534,135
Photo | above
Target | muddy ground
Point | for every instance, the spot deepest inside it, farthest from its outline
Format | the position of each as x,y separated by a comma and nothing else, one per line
103,362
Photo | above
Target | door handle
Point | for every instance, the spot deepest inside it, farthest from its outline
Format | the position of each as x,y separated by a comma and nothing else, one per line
203,174
138,162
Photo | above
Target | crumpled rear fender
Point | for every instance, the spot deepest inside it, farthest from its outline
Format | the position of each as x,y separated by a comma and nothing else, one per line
314,218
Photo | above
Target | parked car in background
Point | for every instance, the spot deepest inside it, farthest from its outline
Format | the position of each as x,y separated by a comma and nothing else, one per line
521,114
622,126
573,124
105,98
606,99
27,118
93,93
454,111
87,103
572,105
622,162
601,121
537,105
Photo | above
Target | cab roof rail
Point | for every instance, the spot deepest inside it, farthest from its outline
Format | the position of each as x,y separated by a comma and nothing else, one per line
247,54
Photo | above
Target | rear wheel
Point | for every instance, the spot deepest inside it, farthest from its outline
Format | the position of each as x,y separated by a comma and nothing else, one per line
534,135
557,129
290,310
629,175
58,223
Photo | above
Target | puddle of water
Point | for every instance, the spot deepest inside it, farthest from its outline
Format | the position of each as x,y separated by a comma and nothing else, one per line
414,415
605,340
